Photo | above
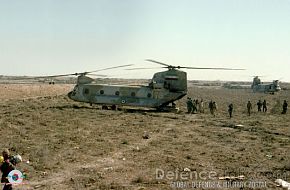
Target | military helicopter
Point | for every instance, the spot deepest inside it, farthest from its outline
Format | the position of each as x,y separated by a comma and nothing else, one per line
163,90
271,88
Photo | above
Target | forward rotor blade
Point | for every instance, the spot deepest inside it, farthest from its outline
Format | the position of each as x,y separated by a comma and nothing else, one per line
19,78
109,68
41,77
77,74
54,76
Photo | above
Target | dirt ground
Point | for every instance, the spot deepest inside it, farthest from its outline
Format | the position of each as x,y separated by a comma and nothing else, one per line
72,145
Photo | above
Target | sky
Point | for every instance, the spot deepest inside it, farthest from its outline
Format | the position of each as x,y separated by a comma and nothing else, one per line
47,37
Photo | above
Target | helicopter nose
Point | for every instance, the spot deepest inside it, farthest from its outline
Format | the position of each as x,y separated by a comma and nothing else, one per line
69,95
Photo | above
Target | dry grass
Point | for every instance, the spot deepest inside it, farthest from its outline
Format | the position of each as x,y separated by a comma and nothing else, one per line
74,146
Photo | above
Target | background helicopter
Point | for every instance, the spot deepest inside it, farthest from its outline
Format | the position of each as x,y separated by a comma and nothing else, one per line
163,90
258,86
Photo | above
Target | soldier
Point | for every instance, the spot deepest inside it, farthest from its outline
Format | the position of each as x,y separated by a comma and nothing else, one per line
201,106
285,107
231,109
196,102
189,105
259,104
210,106
249,107
6,168
214,107
193,106
264,106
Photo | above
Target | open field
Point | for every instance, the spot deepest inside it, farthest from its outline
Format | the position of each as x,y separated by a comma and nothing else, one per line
72,145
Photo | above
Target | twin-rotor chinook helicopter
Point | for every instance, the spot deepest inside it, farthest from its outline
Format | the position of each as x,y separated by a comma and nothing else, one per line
271,88
163,90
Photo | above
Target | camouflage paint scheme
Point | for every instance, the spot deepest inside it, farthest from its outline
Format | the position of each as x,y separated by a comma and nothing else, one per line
271,88
164,88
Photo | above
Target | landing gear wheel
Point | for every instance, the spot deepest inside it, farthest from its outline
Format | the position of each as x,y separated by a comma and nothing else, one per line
114,107
105,107
168,109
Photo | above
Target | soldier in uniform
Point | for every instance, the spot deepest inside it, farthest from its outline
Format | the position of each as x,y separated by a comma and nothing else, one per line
201,106
189,105
193,106
285,107
6,168
265,106
231,109
210,106
249,107
259,104
196,105
214,107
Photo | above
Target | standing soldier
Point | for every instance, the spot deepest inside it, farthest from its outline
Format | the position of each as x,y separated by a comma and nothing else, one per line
231,109
6,168
285,107
210,106
201,106
264,106
249,107
214,108
189,105
259,104
194,106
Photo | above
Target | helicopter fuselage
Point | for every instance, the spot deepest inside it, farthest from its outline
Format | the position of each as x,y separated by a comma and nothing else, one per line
266,88
271,88
164,88
124,95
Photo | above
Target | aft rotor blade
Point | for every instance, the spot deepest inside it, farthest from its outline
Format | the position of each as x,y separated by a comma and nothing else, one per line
259,76
181,67
143,68
97,75
164,64
109,68
209,68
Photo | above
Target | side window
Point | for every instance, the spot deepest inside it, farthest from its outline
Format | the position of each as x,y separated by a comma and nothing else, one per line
102,92
133,94
117,93
149,95
86,91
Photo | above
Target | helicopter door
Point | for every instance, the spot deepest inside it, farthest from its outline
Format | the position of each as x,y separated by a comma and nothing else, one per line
170,82
86,92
